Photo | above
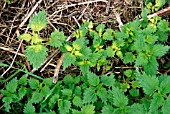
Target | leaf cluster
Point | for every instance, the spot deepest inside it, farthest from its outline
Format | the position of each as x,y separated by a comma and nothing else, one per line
155,5
88,94
139,43
36,52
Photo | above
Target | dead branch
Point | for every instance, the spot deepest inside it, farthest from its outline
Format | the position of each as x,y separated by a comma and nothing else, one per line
162,12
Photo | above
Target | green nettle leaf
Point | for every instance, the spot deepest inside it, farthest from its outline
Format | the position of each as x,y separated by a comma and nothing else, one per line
26,37
45,90
110,52
118,43
108,80
7,101
51,112
97,44
23,80
57,38
88,109
92,33
76,111
142,59
108,35
119,99
152,66
110,96
163,26
5,92
79,43
66,92
33,83
134,92
119,54
123,110
82,31
29,108
93,79
159,3
77,91
85,68
160,50
90,24
135,84
140,44
124,86
77,53
129,58
144,13
128,73
89,96
86,51
119,35
93,58
100,29
107,109
12,85
151,39
102,94
53,100
156,102
68,60
101,61
134,25
162,36
68,48
77,101
84,85
36,39
38,21
64,106
151,27
166,105
22,92
48,81
162,77
36,54
137,109
36,97
68,79
148,83
77,80
165,86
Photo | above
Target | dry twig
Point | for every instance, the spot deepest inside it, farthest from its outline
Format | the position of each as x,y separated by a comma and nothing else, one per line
57,68
162,12
118,19
107,7
12,51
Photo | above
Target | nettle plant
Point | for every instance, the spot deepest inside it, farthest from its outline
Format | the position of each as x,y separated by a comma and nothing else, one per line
37,51
88,94
139,44
155,5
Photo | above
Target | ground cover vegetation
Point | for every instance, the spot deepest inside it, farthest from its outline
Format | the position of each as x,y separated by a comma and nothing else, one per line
116,70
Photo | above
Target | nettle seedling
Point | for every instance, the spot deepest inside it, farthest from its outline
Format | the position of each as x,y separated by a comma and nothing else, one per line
37,51
155,5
